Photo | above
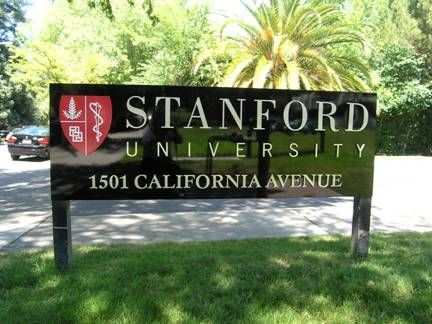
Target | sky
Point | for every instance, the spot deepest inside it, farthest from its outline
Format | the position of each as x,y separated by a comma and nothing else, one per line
36,9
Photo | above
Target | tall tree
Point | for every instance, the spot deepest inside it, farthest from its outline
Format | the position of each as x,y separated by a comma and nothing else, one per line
297,45
421,10
16,105
389,22
11,14
78,43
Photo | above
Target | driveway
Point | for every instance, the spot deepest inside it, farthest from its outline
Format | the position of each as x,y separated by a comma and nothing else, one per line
400,203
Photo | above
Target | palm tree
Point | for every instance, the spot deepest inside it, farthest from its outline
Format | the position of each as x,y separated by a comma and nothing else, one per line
294,44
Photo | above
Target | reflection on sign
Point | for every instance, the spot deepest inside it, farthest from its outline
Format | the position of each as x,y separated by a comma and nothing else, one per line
191,142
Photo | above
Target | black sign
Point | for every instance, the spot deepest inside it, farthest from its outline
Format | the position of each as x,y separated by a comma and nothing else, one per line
140,142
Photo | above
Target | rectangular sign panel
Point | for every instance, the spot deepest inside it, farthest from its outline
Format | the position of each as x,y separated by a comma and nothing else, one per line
142,142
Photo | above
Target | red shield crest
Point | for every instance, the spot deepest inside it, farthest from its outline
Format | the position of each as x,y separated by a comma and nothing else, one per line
85,121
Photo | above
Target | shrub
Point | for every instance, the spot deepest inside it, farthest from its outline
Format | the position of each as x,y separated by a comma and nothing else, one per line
405,100
405,125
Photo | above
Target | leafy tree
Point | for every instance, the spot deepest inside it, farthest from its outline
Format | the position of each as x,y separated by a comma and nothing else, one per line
81,44
404,124
421,10
405,95
399,65
16,105
11,15
399,33
74,45
402,23
298,45
388,22
78,43
173,43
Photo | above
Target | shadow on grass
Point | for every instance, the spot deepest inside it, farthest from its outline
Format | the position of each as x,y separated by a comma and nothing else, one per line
270,280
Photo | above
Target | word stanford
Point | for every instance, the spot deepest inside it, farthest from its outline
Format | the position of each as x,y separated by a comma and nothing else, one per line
294,113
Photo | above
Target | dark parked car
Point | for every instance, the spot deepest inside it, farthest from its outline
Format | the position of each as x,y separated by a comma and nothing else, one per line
32,140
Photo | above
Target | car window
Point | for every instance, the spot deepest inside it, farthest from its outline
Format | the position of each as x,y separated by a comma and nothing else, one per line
37,131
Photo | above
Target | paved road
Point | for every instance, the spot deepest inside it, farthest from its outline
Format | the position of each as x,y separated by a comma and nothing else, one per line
401,203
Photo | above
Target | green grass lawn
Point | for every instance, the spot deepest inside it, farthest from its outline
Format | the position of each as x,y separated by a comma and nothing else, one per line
300,280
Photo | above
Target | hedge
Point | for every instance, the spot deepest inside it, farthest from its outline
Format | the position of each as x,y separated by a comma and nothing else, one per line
405,131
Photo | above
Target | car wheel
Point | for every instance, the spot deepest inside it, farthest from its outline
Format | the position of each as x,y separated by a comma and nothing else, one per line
14,157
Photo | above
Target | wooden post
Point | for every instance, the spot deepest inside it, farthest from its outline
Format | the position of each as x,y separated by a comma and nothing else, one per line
62,234
360,227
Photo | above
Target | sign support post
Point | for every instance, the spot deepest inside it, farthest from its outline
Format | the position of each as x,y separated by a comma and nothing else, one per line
360,227
62,234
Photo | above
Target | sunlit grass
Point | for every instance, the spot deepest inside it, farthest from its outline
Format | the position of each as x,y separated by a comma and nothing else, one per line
282,280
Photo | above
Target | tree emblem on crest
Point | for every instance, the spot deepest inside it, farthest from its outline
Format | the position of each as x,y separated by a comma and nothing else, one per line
72,113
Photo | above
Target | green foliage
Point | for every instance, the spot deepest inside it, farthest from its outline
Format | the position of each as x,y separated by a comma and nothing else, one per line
388,22
406,103
16,104
421,10
398,65
404,127
406,23
80,44
173,44
211,70
289,44
399,32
